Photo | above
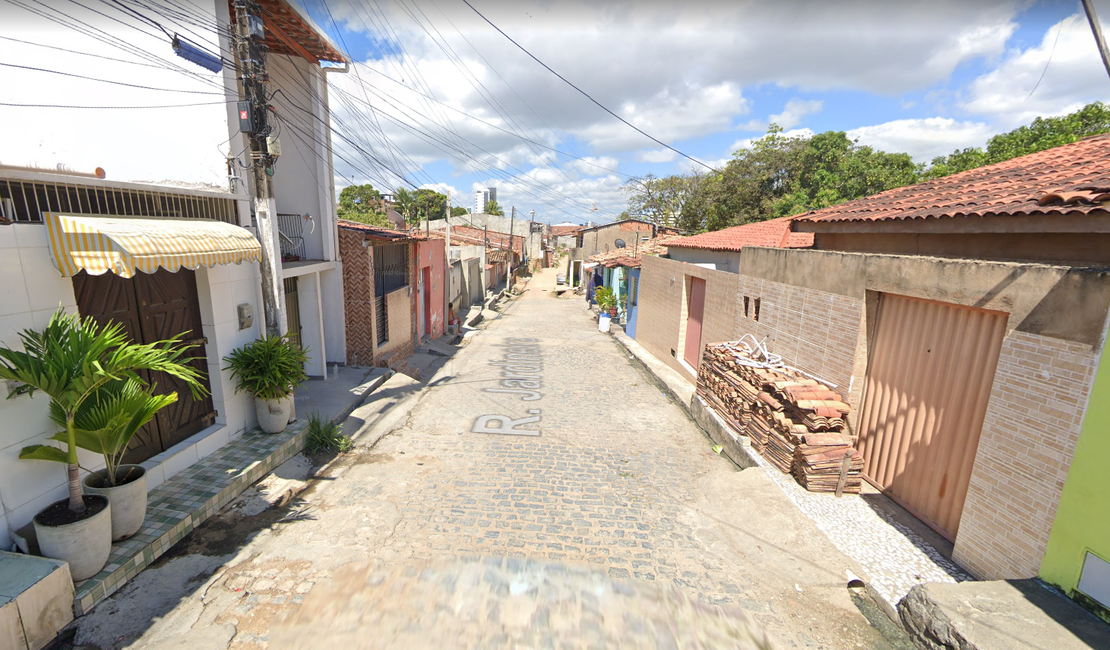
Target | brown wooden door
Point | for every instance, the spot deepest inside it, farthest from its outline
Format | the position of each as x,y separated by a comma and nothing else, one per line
695,313
153,308
929,378
108,299
169,307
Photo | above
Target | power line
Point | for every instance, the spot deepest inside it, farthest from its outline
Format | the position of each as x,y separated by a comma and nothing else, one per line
108,81
106,108
585,94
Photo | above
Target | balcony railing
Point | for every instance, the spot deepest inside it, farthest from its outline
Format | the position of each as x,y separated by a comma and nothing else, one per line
291,234
26,201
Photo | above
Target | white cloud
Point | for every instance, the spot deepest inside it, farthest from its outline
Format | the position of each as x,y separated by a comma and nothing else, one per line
656,155
746,143
795,110
924,139
1074,77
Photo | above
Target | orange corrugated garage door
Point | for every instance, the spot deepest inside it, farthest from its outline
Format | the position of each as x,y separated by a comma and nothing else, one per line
928,381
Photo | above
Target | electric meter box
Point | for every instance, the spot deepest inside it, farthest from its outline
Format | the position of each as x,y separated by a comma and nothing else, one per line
246,117
254,24
273,146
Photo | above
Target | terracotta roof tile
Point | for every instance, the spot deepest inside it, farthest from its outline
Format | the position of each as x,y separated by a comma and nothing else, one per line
631,257
378,232
559,231
774,233
1070,179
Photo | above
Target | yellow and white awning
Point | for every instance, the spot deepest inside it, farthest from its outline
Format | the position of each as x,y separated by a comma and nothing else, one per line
126,245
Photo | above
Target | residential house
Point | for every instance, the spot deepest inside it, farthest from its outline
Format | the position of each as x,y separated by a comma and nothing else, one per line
969,377
565,235
602,239
379,271
167,261
619,269
532,233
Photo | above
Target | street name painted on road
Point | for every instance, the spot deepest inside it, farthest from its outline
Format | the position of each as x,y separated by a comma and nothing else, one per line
520,375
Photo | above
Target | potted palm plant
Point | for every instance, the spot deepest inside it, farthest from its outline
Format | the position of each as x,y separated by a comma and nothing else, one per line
69,361
270,368
105,424
606,301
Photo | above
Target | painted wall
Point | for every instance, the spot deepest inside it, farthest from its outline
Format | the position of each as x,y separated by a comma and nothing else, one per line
430,254
32,291
721,260
815,310
1072,248
1083,516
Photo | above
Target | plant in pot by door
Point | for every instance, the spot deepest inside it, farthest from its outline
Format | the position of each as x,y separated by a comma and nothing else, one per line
606,301
105,424
70,361
270,368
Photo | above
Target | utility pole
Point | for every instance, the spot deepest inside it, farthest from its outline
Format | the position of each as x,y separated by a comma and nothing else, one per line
531,231
1097,30
512,219
254,121
447,266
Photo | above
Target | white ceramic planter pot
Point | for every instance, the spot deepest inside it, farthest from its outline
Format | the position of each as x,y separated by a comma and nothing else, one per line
291,404
85,544
273,414
128,500
603,323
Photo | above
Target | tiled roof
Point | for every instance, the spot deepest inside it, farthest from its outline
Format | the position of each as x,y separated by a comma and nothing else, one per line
497,239
290,31
774,233
559,231
1070,179
631,257
378,232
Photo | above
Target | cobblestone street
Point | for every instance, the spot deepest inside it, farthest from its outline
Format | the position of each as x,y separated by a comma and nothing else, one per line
607,489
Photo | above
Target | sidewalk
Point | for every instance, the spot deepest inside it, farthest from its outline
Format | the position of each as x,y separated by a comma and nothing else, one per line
918,586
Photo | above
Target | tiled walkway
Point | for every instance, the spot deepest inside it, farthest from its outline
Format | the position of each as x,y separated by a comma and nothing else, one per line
895,557
180,504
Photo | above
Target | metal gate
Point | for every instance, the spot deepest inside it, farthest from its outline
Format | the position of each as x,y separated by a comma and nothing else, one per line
695,312
292,309
153,308
928,381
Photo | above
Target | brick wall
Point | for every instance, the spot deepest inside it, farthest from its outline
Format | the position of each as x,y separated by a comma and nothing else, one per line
661,320
1032,425
815,331
358,294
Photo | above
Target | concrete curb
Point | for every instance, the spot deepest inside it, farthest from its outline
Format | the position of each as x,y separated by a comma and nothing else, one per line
677,386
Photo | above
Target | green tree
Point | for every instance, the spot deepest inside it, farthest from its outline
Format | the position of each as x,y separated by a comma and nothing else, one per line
459,211
1043,133
428,204
362,203
404,202
659,199
494,208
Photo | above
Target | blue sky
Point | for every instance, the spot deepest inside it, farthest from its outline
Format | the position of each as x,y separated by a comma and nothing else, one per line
443,100
925,78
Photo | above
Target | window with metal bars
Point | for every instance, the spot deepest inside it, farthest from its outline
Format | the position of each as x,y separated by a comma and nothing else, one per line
25,201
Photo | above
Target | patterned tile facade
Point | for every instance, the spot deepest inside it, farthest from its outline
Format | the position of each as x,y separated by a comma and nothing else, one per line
182,503
358,296
1033,421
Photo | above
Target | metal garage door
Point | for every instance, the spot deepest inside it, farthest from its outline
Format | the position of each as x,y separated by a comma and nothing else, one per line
928,381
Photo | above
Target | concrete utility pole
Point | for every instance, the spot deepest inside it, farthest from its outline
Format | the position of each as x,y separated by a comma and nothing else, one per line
531,231
447,266
1096,28
512,219
254,115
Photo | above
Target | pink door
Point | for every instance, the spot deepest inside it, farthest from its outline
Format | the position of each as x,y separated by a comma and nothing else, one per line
428,300
695,310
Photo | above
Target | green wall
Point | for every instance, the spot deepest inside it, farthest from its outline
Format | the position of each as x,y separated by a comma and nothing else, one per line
1083,518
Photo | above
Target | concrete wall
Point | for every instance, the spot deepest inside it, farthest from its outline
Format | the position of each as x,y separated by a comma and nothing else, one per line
302,182
430,254
815,310
661,322
1069,248
32,291
502,224
602,239
1083,517
399,324
722,260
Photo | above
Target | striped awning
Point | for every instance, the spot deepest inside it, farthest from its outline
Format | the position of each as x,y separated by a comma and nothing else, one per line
126,245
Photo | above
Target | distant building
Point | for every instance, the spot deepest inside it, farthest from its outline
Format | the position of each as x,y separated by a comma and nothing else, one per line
482,198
